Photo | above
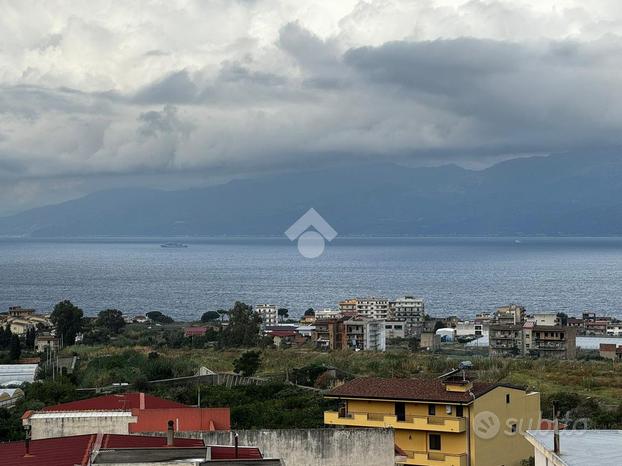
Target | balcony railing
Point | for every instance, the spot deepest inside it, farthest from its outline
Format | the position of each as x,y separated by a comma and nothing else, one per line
432,458
429,423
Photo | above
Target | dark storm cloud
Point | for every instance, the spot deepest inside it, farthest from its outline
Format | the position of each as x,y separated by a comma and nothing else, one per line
250,86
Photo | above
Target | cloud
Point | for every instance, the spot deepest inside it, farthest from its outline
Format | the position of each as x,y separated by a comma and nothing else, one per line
98,95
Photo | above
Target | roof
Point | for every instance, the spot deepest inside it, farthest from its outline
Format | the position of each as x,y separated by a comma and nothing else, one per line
581,447
70,451
607,347
121,401
17,373
282,333
191,331
408,389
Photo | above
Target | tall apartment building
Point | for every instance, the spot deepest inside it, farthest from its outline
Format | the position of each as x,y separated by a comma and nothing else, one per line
373,308
411,310
365,334
446,422
269,314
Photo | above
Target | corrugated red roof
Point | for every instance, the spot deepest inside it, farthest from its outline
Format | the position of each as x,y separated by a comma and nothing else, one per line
125,401
139,441
70,451
407,389
228,453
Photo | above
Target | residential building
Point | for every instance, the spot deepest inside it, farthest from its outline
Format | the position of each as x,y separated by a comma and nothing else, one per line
596,327
614,329
126,450
442,422
506,340
610,351
18,311
327,313
554,341
576,447
126,413
395,328
365,334
529,339
269,313
544,318
512,314
373,308
348,305
46,342
411,310
330,334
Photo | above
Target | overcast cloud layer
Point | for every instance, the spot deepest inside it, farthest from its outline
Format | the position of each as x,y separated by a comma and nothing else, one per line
99,94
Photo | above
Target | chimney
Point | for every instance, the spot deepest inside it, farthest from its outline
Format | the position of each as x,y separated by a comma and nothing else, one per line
142,400
27,442
556,448
170,440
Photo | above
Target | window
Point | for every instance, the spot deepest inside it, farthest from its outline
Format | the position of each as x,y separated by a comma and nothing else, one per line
432,410
459,411
507,399
448,409
435,441
513,427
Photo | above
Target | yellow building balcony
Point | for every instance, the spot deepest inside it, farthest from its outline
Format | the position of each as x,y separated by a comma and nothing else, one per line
428,423
429,458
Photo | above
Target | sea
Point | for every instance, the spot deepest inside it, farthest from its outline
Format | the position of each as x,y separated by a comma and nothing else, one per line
455,276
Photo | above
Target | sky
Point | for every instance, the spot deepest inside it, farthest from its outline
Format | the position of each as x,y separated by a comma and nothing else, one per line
100,94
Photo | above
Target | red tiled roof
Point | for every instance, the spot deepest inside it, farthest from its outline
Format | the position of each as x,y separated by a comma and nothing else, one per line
124,401
407,389
139,441
67,451
75,450
194,331
228,453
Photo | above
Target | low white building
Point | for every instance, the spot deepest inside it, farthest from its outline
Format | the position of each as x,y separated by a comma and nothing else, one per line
577,447
269,313
546,319
614,330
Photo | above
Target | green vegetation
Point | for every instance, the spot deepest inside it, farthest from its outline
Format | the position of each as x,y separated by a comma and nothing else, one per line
157,316
67,319
248,363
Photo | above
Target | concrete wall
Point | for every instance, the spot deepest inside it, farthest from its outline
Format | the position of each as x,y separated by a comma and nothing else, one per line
65,425
312,447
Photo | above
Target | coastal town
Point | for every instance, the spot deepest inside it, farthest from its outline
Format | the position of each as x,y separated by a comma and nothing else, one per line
434,417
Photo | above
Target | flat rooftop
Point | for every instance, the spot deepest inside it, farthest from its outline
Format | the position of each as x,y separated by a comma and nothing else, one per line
583,447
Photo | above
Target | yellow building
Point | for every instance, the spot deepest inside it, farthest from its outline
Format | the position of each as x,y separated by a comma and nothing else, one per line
450,422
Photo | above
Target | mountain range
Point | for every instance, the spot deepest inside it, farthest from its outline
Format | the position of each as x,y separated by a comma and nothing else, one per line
571,194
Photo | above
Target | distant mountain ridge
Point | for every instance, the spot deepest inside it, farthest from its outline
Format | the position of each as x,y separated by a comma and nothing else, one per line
554,195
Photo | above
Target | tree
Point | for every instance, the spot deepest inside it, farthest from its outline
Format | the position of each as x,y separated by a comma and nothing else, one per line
31,335
248,363
283,313
310,312
111,320
67,319
157,316
15,348
5,337
563,318
210,316
243,328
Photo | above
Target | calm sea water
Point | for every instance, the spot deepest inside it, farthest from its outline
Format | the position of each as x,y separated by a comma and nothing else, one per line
454,276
